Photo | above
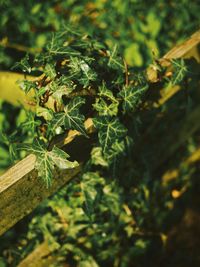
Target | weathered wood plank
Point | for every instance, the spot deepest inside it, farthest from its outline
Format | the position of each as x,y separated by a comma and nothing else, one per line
184,48
21,190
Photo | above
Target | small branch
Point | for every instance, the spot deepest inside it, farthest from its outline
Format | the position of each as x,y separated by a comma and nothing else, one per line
83,92
126,72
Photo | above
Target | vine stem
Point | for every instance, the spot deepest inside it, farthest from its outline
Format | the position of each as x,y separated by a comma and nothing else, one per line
126,73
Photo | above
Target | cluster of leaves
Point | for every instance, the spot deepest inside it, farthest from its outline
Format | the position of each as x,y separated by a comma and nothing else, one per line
81,78
90,221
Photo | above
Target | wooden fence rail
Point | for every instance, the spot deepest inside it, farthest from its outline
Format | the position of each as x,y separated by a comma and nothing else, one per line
21,190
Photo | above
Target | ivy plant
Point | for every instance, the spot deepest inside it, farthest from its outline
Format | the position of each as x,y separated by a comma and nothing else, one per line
80,78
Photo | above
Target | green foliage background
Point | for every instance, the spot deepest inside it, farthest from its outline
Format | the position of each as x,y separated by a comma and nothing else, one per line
104,217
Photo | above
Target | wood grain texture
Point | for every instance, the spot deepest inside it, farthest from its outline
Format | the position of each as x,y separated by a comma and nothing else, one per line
184,48
21,190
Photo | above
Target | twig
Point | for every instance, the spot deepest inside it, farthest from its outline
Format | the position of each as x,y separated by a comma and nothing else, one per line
126,72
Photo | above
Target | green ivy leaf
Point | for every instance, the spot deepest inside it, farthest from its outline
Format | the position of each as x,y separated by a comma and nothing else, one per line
26,86
180,69
71,118
23,64
90,185
10,142
60,92
74,66
105,109
109,130
41,92
132,96
113,155
31,123
60,87
58,47
50,71
115,61
46,113
80,69
59,157
117,149
47,160
97,157
104,92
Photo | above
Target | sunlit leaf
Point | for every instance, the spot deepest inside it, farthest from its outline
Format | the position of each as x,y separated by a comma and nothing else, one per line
47,160
180,70
50,71
70,118
46,113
